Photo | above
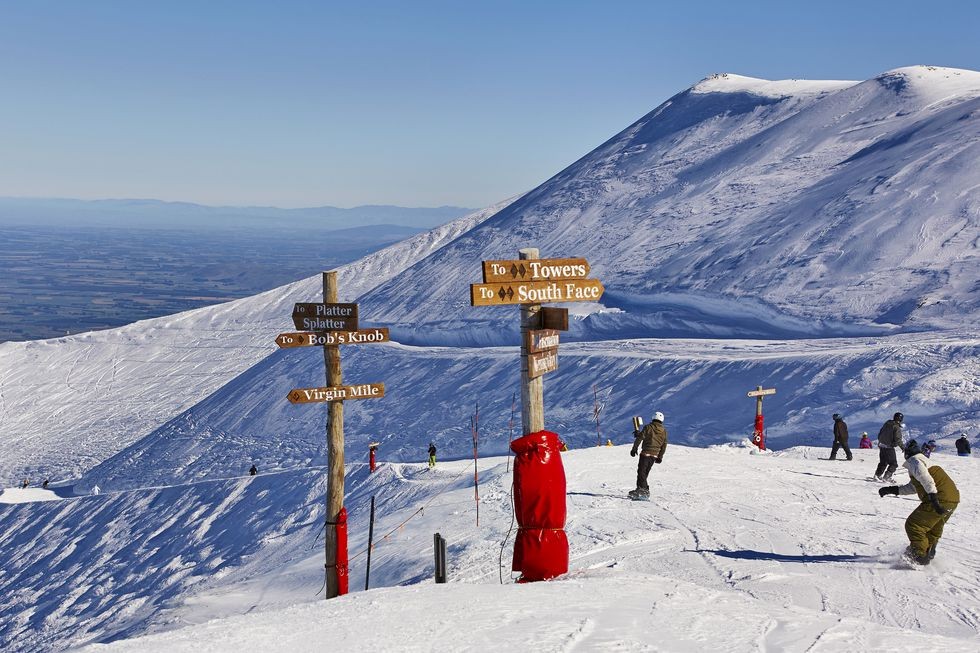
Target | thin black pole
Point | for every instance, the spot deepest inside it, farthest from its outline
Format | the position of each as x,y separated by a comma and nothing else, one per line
367,574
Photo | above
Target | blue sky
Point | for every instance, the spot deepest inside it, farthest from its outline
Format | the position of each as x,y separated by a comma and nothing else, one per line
412,103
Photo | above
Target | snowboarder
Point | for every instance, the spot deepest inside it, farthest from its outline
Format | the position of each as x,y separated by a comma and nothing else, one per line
653,437
962,446
45,484
253,470
928,448
865,441
25,484
840,438
432,455
938,496
889,437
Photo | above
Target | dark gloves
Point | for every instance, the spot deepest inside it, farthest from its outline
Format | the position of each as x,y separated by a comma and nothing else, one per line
636,434
891,489
633,451
658,460
934,500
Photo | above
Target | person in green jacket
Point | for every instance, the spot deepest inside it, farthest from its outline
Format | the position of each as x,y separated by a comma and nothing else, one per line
653,439
938,496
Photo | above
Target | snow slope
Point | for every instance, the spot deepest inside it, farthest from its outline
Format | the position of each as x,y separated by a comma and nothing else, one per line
431,393
736,552
68,403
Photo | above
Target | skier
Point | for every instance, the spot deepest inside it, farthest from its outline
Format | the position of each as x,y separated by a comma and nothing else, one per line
962,446
253,470
653,437
45,484
889,437
432,455
938,496
840,438
25,484
865,441
928,448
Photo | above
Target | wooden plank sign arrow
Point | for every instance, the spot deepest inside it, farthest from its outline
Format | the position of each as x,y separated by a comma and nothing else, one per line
337,393
761,393
535,292
542,363
539,340
325,317
360,337
535,269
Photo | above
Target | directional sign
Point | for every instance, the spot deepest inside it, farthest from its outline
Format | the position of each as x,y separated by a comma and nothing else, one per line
535,292
363,336
542,363
761,393
337,393
535,269
541,340
552,317
325,317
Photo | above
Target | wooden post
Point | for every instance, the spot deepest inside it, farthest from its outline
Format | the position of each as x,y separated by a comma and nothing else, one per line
532,390
335,448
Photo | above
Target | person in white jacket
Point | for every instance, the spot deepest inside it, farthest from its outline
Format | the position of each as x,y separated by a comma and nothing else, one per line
938,496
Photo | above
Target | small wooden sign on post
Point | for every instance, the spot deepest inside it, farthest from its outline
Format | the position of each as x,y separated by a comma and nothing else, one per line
324,338
325,317
758,434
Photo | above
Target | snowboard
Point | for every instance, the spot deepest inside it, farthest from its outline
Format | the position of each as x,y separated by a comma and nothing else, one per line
634,497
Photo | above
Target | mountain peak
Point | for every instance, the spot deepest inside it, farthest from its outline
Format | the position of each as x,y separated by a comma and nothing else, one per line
731,83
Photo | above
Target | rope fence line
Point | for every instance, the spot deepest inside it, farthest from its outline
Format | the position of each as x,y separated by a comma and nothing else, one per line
421,510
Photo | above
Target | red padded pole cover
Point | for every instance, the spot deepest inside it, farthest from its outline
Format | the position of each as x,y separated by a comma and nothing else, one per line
342,571
541,547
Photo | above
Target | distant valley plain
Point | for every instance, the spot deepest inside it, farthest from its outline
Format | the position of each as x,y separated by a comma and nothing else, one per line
59,280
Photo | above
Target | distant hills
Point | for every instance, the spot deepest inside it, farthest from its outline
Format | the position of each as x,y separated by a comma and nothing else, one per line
140,213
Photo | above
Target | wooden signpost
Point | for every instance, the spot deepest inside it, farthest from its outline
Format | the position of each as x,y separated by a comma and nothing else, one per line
535,292
330,324
535,269
323,338
758,435
337,393
325,317
529,282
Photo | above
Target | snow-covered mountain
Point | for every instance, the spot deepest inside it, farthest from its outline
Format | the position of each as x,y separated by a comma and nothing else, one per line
819,237
742,207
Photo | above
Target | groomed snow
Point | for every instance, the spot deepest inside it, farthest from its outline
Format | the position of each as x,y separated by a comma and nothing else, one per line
736,551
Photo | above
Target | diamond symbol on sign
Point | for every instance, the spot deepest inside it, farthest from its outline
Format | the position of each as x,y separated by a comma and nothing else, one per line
523,270
510,292
513,270
294,396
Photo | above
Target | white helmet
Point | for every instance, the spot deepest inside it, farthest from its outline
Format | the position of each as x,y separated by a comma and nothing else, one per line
658,416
